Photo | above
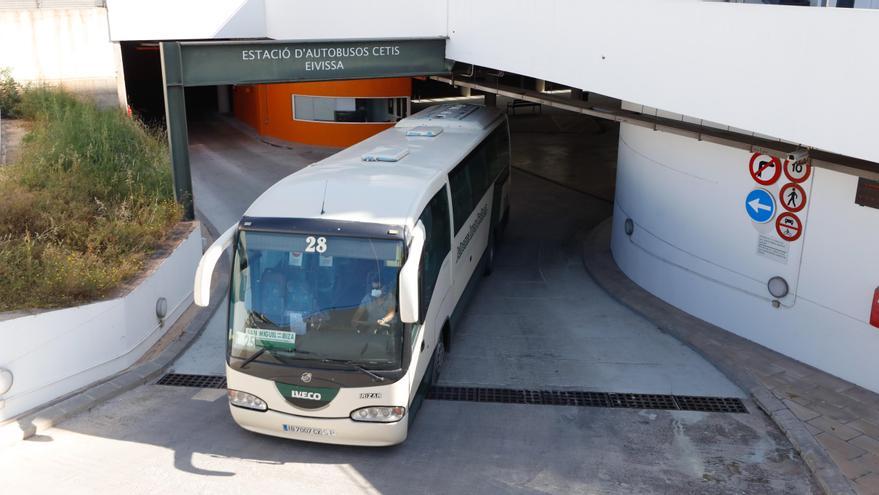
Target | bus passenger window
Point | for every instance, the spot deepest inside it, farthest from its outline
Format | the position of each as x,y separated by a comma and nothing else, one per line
477,170
462,197
437,245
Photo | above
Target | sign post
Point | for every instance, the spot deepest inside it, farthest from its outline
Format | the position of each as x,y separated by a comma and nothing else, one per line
178,134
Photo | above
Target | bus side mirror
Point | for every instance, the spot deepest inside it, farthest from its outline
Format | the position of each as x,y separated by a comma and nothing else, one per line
202,290
409,277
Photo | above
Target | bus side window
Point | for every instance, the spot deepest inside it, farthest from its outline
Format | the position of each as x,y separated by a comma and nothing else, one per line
499,156
462,197
435,218
478,171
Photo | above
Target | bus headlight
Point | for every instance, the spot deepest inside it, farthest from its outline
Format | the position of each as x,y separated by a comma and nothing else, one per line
379,414
247,401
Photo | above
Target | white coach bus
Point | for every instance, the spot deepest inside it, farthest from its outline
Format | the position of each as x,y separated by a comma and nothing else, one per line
349,277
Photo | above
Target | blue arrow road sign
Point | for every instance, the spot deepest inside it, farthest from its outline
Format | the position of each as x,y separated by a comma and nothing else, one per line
760,205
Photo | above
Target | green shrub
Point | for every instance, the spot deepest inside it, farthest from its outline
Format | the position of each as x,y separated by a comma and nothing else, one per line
88,201
10,94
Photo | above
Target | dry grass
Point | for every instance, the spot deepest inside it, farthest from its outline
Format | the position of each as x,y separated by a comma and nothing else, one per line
88,201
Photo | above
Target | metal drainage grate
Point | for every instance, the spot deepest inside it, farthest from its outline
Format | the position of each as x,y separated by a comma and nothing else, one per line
589,399
199,381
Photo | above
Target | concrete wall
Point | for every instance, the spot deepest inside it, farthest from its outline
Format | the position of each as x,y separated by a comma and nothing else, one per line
56,352
71,47
188,19
694,246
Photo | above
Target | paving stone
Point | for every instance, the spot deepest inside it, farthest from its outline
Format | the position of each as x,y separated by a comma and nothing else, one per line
865,427
869,461
828,381
866,443
767,401
813,430
802,412
863,395
853,468
833,412
766,368
839,430
868,485
838,448
789,392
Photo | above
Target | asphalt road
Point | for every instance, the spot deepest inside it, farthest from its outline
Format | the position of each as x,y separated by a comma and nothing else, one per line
537,322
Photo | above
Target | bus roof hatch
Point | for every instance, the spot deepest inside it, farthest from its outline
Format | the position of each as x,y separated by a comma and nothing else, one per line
384,154
425,131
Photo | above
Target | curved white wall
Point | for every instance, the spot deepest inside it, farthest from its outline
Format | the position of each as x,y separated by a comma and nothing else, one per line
694,246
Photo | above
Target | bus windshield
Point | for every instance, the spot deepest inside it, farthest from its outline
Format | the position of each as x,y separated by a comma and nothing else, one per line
304,297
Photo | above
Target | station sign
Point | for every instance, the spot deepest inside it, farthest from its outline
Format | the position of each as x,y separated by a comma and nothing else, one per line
210,63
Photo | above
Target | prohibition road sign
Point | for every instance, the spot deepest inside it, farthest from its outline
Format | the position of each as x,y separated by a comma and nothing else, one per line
792,197
765,169
789,226
798,171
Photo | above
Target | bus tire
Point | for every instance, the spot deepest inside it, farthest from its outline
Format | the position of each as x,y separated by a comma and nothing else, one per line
439,357
489,255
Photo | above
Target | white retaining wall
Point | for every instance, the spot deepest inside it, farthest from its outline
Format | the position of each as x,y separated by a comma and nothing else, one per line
56,352
694,246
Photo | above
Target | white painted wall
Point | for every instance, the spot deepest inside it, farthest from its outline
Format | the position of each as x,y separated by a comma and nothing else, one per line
348,19
67,46
56,352
694,247
187,19
808,75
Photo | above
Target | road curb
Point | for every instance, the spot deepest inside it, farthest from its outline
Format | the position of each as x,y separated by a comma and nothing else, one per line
703,338
189,326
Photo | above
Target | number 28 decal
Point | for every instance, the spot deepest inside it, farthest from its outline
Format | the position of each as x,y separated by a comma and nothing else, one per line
313,244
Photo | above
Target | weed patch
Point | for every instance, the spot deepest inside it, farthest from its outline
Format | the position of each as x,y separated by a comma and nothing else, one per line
88,201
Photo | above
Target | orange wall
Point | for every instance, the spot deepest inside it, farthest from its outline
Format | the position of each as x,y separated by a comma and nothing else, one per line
268,108
245,104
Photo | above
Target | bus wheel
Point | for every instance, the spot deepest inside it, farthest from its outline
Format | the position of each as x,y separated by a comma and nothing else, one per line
439,357
489,255
504,223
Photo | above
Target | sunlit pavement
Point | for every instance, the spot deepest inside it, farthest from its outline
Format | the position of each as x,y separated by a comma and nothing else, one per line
158,439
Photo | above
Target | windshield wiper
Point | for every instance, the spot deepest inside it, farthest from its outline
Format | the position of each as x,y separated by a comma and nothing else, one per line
346,362
252,357
355,366
263,318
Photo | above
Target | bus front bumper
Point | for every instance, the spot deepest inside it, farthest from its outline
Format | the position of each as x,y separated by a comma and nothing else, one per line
342,431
